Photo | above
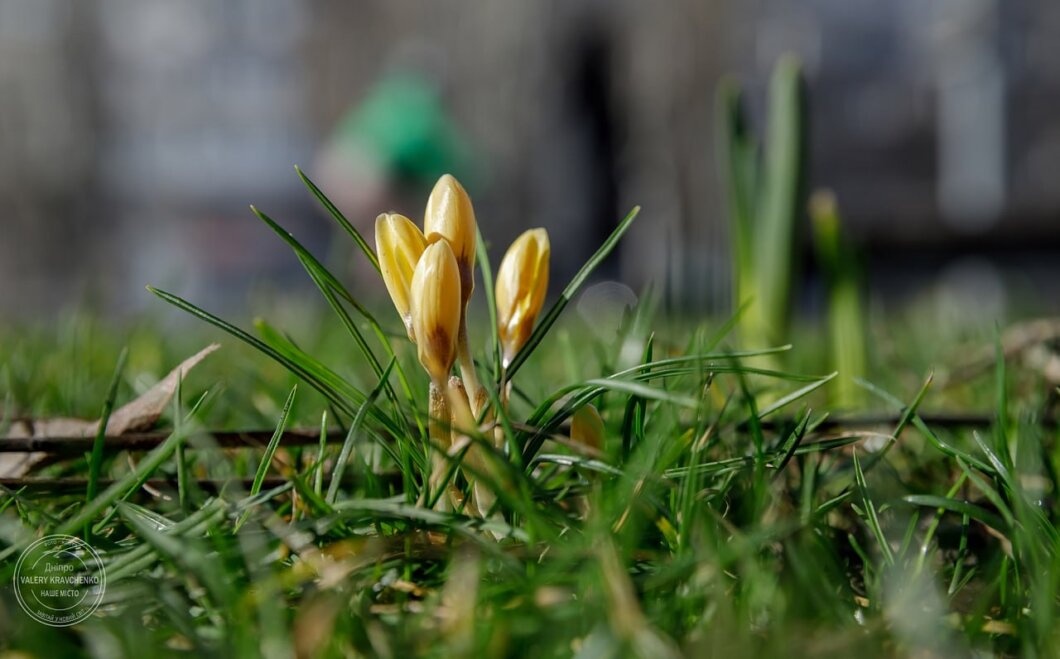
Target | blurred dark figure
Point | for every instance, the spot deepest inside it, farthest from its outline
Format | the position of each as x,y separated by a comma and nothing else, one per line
588,106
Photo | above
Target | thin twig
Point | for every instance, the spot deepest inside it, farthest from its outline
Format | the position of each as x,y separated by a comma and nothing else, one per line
63,485
146,441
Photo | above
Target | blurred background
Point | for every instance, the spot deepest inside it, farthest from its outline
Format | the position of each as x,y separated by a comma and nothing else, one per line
134,133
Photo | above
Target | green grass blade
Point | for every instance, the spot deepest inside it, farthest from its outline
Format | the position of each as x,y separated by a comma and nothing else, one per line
329,286
1001,404
959,507
997,462
339,217
918,423
274,443
320,371
796,395
483,259
151,462
179,430
318,465
457,524
505,421
643,391
845,312
270,452
143,555
346,403
871,516
183,477
186,555
908,414
95,460
793,443
347,445
315,502
727,327
634,413
992,495
783,196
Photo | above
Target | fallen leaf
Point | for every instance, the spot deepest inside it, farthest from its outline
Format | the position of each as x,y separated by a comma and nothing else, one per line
143,412
139,414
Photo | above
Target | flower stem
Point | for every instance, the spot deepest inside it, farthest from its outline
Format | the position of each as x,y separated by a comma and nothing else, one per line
476,394
438,430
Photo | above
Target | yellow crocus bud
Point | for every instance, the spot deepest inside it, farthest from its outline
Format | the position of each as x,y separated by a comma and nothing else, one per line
450,215
399,244
522,281
587,428
435,308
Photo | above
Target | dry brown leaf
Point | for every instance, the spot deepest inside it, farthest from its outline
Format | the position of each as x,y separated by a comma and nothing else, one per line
143,412
136,415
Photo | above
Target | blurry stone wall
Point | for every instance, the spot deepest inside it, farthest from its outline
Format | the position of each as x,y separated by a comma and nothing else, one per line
135,132
49,130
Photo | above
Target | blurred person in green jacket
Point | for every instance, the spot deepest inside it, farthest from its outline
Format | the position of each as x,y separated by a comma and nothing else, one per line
389,148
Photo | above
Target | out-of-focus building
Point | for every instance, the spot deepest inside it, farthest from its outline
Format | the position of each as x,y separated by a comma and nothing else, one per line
135,132
49,130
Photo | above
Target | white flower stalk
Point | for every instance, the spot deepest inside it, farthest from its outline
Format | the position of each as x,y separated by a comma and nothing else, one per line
435,310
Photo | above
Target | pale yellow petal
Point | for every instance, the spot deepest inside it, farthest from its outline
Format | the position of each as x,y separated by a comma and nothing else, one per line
436,308
450,214
522,283
399,243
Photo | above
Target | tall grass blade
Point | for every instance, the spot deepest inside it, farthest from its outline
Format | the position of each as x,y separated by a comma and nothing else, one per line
95,460
846,310
270,451
185,555
796,395
871,517
483,259
345,401
347,445
960,507
339,217
330,287
784,200
318,464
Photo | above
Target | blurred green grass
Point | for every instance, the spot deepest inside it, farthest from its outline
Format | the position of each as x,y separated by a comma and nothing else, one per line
692,542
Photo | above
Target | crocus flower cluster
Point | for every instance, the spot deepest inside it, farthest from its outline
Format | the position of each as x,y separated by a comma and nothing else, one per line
430,275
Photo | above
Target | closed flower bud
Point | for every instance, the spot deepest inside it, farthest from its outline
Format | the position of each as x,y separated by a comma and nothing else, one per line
450,215
399,244
522,281
587,428
435,308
